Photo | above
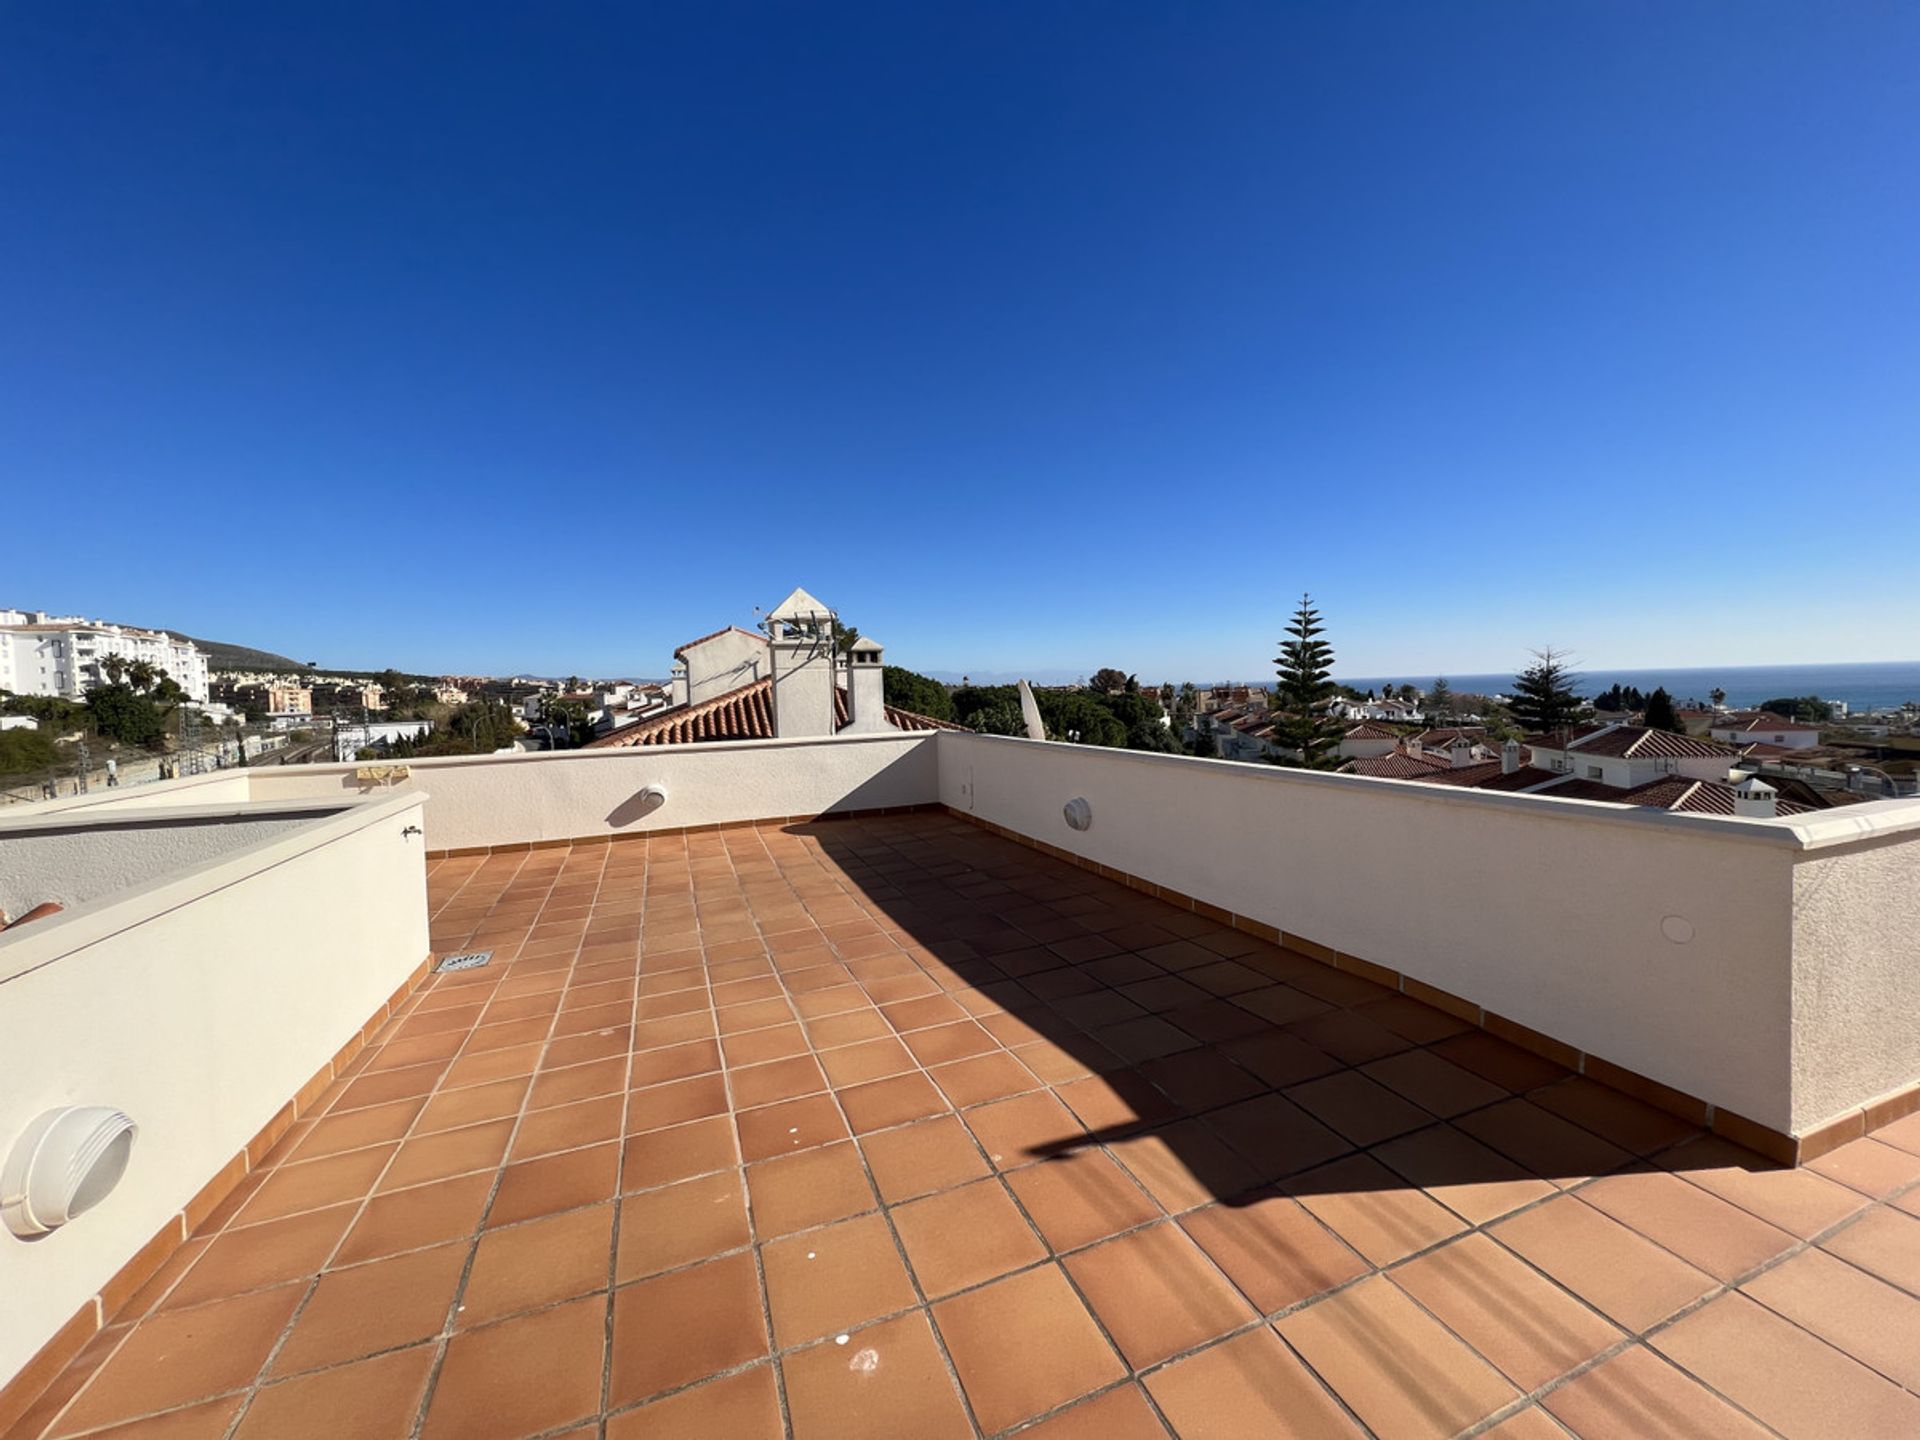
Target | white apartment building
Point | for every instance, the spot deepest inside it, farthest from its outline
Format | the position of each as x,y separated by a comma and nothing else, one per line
42,654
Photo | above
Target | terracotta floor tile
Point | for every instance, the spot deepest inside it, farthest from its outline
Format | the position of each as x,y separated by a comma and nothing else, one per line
1867,1318
887,1382
209,1420
1359,1109
660,1157
866,1060
447,1153
1251,1385
1147,1038
377,1306
1783,1375
1627,1122
262,1255
679,1224
1525,1326
181,1355
738,1407
1551,1147
569,1127
1185,1165
555,1182
1870,1167
376,1399
1372,1209
1275,1136
676,1102
674,1329
1349,1036
1797,1200
823,1281
1279,1058
1024,1345
883,1104
848,1027
1639,1396
1701,1229
1273,1249
1117,1101
1884,1243
1492,1058
413,1219
1462,1174
789,1126
532,1373
965,1236
1157,1293
677,1062
944,1043
358,1128
981,1078
315,1184
776,1080
921,1158
1434,1083
1121,1413
453,1109
523,1266
1625,1276
1401,1373
828,1182
1023,1129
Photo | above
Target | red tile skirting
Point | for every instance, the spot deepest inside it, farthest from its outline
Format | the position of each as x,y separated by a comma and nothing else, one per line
1774,1144
19,1393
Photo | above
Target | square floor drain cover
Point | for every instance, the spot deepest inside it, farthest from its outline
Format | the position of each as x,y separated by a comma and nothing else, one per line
471,961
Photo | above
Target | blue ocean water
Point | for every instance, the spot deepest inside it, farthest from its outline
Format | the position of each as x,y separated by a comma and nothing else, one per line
1863,687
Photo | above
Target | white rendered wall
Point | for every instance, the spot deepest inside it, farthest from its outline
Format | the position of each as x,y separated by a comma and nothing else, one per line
198,1005
726,662
1549,912
579,794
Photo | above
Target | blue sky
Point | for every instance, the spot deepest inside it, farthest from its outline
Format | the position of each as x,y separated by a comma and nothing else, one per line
1033,337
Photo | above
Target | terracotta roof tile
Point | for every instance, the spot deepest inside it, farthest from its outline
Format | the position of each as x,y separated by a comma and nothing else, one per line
742,714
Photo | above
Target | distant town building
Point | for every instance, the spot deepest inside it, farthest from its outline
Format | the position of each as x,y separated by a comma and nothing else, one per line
63,655
1763,727
737,684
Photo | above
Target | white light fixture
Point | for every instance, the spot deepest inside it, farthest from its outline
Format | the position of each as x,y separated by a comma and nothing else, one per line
64,1163
1079,814
651,798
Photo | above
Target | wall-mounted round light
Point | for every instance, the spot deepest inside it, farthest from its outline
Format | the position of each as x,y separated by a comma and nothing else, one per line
64,1163
651,798
1079,814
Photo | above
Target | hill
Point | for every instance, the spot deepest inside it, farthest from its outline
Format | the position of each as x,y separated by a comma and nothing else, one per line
222,656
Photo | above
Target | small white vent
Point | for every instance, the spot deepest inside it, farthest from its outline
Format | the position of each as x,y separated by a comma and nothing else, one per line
470,961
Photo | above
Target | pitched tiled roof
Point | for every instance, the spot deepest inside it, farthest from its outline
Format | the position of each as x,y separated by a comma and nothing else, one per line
1397,766
1372,730
1635,742
725,630
742,714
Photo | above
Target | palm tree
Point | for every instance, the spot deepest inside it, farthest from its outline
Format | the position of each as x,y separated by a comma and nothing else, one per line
113,667
140,674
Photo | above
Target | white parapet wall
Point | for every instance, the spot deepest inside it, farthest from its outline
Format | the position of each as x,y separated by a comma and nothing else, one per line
1770,967
199,1002
592,794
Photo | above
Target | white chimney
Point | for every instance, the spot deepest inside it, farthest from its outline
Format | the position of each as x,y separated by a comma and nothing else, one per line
677,686
1460,752
1754,799
1509,757
800,630
866,688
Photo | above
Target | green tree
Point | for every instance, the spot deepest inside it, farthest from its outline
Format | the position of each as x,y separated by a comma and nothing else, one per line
1108,681
1660,714
1439,706
1718,696
906,690
1203,744
1808,709
1306,734
114,667
141,675
118,712
1544,699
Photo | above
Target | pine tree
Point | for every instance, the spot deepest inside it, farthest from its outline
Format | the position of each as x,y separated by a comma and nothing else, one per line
1543,695
1660,714
1440,702
1307,736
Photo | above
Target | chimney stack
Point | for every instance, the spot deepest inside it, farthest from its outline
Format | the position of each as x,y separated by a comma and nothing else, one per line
866,688
1754,799
1460,752
800,630
1509,757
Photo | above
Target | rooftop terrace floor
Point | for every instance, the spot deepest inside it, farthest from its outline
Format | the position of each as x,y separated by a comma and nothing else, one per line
893,1128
